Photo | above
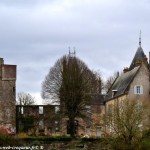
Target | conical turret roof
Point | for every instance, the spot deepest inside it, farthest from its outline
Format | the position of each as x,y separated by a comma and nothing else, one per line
138,58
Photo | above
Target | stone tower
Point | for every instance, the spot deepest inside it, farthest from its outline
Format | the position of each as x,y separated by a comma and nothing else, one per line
7,94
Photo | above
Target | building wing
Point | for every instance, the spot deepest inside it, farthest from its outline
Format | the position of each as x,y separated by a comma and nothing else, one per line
121,84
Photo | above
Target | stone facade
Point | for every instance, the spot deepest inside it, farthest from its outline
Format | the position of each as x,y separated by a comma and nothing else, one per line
92,126
132,84
141,79
7,94
47,120
37,119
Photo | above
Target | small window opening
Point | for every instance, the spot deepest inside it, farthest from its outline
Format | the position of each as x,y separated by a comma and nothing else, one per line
40,109
57,109
22,110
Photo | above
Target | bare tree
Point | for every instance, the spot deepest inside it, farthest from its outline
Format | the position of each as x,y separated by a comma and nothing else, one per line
25,99
125,120
71,84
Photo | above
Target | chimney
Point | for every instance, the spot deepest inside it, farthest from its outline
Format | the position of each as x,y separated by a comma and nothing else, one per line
126,69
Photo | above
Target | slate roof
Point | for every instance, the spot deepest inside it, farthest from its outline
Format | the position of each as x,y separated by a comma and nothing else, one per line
122,83
139,56
98,100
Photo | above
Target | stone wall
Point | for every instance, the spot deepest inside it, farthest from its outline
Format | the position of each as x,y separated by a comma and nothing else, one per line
141,79
7,94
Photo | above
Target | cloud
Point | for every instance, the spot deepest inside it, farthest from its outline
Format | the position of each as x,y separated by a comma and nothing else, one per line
35,33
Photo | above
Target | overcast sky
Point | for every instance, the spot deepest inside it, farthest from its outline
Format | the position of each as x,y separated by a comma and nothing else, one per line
105,34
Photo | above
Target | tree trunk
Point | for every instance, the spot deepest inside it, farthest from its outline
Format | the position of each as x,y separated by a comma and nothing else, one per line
72,127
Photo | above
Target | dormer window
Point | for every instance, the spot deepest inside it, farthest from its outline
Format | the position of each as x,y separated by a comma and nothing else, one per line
138,89
114,92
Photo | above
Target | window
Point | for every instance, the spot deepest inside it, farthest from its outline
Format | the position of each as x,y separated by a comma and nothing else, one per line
56,129
88,108
57,109
8,113
87,131
40,109
21,110
41,124
14,90
56,122
138,89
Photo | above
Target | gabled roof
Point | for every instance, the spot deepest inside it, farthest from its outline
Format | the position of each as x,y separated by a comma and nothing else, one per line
98,100
139,57
121,84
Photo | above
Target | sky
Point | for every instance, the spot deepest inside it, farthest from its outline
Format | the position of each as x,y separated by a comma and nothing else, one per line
104,33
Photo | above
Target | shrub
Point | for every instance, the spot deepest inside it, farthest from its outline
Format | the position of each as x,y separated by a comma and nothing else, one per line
4,138
22,135
7,140
92,139
145,144
146,133
47,139
145,141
